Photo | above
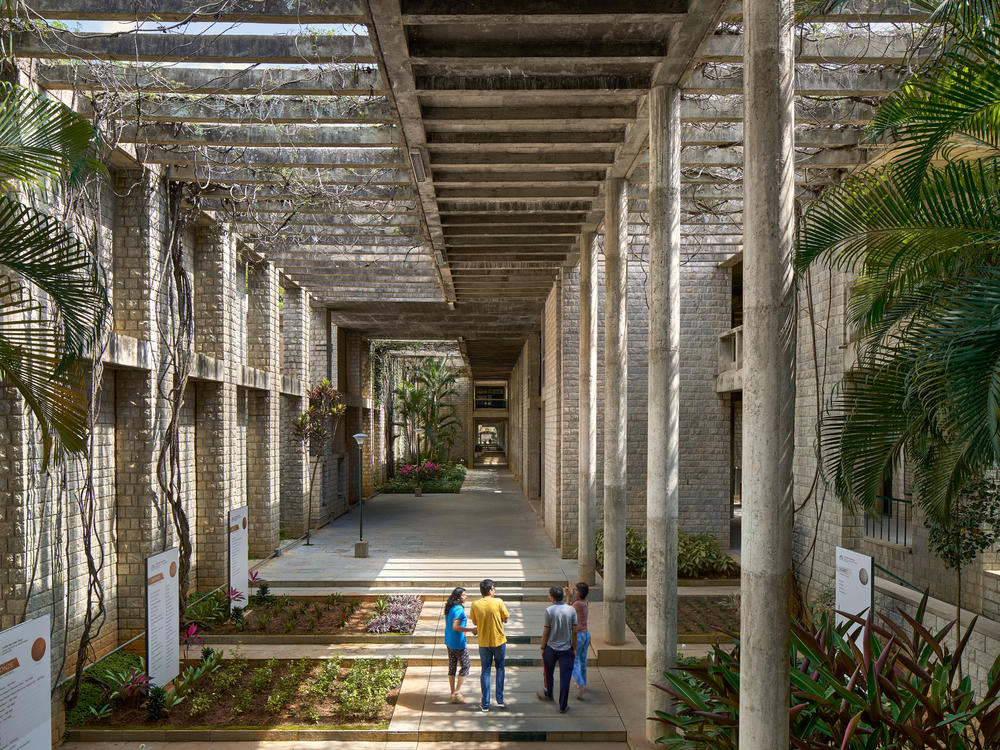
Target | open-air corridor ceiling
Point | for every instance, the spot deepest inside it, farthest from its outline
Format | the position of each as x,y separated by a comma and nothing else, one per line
426,167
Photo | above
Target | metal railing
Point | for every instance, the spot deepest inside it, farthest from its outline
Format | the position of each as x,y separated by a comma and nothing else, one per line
894,522
731,350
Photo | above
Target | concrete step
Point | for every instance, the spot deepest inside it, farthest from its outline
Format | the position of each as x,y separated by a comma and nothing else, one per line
429,593
413,583
424,708
415,654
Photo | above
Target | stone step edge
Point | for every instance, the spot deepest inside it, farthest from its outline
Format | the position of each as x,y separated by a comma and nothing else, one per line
430,583
331,639
352,735
415,660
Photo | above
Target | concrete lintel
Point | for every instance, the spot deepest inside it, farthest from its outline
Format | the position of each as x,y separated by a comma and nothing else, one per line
620,113
857,11
575,11
842,82
588,51
127,352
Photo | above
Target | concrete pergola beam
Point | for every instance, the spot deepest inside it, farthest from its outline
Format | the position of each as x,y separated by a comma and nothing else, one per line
500,219
347,199
343,81
577,11
315,49
542,157
842,82
260,11
849,48
300,136
293,228
859,11
251,110
327,158
315,178
581,83
553,115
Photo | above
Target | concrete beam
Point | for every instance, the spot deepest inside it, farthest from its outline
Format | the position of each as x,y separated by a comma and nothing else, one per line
841,82
503,159
483,219
621,113
819,112
588,51
451,176
439,140
326,158
575,11
851,48
173,11
315,49
527,207
314,178
354,80
304,135
492,84
857,11
266,202
477,193
247,111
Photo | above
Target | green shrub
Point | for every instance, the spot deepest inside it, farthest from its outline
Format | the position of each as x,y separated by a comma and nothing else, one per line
210,609
398,485
201,704
156,704
93,696
902,689
698,555
364,691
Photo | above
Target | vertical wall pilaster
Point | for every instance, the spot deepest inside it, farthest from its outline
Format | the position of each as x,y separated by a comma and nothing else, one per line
615,408
532,418
663,433
768,393
264,409
13,531
587,451
294,456
216,441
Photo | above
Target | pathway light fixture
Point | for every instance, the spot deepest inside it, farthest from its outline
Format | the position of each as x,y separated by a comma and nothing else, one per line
361,546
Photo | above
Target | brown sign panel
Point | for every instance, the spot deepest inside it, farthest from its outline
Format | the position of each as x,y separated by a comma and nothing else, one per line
9,666
155,579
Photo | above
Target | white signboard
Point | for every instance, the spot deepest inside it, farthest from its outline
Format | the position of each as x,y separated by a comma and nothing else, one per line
25,676
855,588
239,564
163,618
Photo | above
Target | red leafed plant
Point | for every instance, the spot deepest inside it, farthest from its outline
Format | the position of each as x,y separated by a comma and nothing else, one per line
901,690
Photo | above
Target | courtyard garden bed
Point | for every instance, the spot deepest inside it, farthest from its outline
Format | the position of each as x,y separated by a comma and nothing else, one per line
698,558
443,478
699,618
282,615
236,693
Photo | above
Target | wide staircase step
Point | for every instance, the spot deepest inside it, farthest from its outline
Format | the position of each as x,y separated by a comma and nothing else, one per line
424,712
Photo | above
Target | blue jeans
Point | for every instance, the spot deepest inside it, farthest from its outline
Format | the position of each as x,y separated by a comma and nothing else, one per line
580,665
487,655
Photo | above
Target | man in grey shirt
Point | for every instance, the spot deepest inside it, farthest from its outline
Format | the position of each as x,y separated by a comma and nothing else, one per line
558,645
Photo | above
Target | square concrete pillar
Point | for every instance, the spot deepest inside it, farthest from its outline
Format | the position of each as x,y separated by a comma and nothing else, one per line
13,541
295,465
217,463
532,466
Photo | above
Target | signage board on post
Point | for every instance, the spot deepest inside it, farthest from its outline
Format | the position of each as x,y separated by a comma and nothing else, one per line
855,588
163,617
25,681
239,563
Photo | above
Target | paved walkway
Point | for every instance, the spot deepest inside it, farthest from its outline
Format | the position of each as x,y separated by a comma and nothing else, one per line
487,530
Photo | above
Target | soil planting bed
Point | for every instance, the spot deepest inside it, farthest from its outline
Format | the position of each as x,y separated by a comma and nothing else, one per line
287,616
696,615
275,695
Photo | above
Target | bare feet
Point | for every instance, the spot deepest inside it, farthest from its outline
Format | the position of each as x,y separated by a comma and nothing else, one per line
456,698
581,694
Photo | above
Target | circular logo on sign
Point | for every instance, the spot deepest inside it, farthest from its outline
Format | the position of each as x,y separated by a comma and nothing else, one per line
863,577
173,569
38,649
244,523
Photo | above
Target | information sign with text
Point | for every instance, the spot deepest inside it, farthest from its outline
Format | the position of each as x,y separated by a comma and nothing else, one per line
239,564
25,676
163,617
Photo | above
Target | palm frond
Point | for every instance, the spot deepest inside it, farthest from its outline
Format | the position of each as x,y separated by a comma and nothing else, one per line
32,362
42,140
41,250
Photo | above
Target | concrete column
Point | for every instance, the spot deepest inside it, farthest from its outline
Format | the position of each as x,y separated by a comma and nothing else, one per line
662,472
533,418
768,397
587,484
615,407
294,456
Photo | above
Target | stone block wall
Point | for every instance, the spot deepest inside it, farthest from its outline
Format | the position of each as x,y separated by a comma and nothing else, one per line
552,413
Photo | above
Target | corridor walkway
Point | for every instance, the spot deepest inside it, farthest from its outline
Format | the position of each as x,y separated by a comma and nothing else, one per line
487,530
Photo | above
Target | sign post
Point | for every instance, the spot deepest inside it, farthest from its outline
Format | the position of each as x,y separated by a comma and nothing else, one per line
239,562
163,617
855,589
25,678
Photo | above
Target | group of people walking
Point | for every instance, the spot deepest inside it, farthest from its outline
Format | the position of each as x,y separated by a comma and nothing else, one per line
565,641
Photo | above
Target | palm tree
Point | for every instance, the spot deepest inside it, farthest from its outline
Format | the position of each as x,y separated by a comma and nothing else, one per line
440,423
923,235
410,404
52,301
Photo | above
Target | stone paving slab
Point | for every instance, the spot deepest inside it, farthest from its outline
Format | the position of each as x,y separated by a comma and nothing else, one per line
460,545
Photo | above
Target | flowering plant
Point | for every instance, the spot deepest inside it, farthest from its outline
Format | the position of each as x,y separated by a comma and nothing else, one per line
191,636
398,615
234,595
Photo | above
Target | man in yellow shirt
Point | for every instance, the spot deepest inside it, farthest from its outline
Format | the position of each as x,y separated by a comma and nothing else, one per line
489,614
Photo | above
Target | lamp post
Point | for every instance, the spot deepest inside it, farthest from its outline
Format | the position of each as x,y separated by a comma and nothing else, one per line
361,546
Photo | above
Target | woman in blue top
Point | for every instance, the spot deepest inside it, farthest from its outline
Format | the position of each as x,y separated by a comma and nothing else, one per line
454,639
